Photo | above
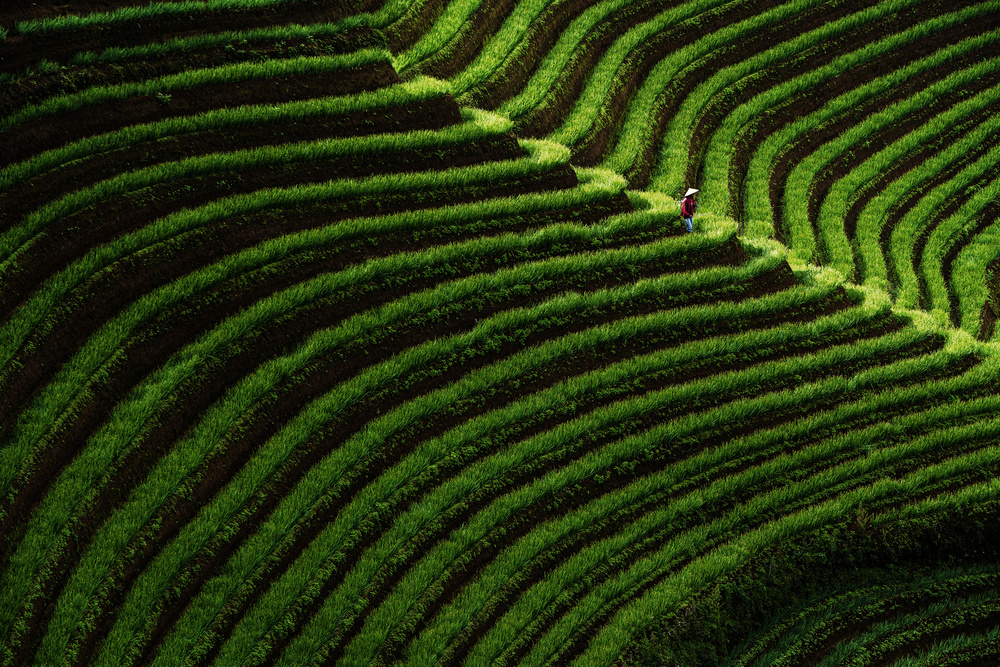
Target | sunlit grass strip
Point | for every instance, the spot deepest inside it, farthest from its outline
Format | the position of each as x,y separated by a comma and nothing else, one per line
542,157
419,89
871,219
396,612
636,130
479,125
392,15
411,360
449,24
830,225
126,423
944,236
499,46
669,595
971,281
917,218
959,649
152,10
717,159
154,50
556,60
543,90
226,74
494,64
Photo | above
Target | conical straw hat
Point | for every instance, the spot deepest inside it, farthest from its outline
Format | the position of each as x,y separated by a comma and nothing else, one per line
690,192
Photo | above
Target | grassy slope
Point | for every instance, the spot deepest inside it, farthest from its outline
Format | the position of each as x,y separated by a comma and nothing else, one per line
500,411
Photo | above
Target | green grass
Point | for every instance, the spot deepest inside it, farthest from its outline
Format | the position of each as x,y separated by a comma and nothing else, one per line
766,417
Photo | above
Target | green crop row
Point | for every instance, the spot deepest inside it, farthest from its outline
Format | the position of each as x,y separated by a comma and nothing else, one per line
494,63
518,614
84,69
419,89
32,315
853,609
872,218
565,578
157,389
838,248
900,632
944,236
154,50
933,417
823,612
619,590
673,591
636,131
960,649
448,25
423,516
544,88
19,237
919,217
802,439
971,279
320,623
717,163
492,327
678,431
750,340
152,10
101,348
226,74
438,403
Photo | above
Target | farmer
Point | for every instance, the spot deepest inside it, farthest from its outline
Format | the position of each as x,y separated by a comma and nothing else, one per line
688,206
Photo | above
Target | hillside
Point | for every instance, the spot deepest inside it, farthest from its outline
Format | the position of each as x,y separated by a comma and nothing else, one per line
370,334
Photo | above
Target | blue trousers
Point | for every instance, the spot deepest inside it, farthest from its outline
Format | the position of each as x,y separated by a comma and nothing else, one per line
690,223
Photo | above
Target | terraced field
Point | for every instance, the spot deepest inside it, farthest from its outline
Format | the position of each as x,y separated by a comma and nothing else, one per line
369,334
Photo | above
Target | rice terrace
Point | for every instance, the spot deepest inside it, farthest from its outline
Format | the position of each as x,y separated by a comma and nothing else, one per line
370,332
